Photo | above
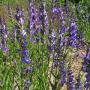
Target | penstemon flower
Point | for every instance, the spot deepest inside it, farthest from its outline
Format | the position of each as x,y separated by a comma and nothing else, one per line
4,37
46,21
32,16
73,34
22,38
55,10
52,39
25,59
70,81
63,72
34,23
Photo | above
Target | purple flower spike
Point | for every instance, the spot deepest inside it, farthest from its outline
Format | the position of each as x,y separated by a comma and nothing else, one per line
73,35
63,72
71,82
55,63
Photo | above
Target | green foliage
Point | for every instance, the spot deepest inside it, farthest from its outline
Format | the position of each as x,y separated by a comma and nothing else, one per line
87,35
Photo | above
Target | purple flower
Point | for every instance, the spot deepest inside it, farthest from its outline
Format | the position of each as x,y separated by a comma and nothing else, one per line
40,17
46,22
87,82
5,50
55,63
83,68
25,52
19,13
63,72
22,21
17,17
73,35
28,82
32,16
53,36
55,10
25,59
23,33
71,82
50,48
0,46
25,43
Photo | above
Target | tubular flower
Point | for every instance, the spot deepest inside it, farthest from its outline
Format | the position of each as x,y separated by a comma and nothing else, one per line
63,72
4,37
25,59
71,82
73,35
22,37
52,39
55,10
34,23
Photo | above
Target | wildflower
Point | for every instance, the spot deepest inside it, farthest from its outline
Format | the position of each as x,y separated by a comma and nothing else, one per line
71,82
25,52
73,35
53,36
23,32
22,21
55,10
55,63
0,46
4,37
63,72
25,43
52,39
25,59
27,82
